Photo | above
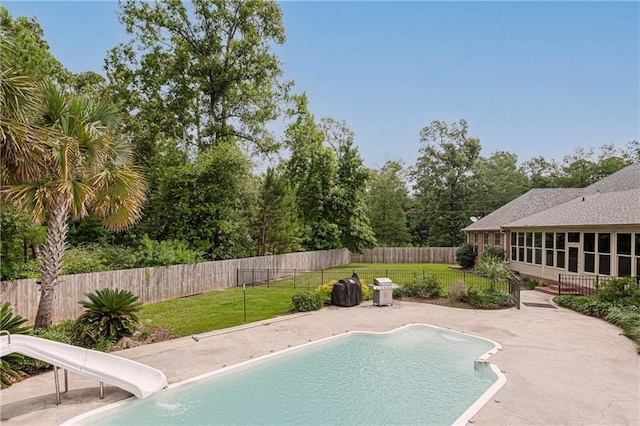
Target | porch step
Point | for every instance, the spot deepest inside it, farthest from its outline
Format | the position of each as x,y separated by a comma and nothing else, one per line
549,290
553,289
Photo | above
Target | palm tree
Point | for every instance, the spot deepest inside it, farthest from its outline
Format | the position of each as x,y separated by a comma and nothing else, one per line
81,168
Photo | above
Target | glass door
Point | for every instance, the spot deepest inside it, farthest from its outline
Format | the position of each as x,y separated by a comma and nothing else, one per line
573,259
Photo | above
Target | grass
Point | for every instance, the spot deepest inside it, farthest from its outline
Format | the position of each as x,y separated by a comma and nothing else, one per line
217,309
226,308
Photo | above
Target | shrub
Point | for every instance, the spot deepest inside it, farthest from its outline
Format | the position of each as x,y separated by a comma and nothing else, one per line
324,292
457,291
306,301
622,291
13,324
531,284
497,271
81,260
487,298
164,253
109,315
495,252
626,317
465,256
427,287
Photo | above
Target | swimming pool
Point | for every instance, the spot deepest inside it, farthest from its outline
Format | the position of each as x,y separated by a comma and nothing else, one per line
416,374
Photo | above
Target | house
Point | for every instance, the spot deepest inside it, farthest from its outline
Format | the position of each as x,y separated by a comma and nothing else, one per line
593,231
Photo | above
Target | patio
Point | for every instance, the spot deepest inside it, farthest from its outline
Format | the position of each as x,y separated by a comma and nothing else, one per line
561,367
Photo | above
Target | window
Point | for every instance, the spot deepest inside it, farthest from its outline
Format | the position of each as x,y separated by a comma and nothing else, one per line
476,238
497,239
560,253
548,246
521,257
589,248
623,250
573,237
604,258
514,246
537,242
637,252
485,239
529,239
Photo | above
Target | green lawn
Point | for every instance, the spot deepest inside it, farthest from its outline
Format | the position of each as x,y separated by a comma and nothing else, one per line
226,308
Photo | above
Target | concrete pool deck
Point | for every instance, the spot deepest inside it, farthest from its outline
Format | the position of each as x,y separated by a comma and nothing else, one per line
562,368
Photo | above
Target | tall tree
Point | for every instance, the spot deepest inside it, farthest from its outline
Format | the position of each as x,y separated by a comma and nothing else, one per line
201,71
80,167
388,202
541,173
29,49
311,169
445,180
208,203
349,208
499,180
277,223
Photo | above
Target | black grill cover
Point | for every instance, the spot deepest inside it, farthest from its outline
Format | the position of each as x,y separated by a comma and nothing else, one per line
347,292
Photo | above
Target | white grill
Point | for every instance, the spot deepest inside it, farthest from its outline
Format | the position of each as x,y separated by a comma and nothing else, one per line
383,291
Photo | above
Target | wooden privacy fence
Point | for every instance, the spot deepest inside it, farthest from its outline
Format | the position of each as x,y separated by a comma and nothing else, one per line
445,255
156,284
171,282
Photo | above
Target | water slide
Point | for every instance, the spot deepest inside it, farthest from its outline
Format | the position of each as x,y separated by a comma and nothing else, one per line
139,379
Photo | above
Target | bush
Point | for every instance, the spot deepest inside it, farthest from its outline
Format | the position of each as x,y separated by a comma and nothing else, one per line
427,287
626,317
495,252
621,291
83,259
487,298
465,256
109,315
324,292
306,301
531,284
12,323
457,292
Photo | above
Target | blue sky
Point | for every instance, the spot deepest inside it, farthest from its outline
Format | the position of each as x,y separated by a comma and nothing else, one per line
531,78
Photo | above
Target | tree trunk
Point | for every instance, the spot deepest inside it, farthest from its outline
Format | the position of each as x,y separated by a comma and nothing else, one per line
52,251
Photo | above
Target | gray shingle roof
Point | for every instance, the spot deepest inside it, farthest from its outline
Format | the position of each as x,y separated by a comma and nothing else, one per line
608,208
614,200
532,202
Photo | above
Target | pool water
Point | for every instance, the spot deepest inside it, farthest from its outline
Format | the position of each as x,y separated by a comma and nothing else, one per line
414,375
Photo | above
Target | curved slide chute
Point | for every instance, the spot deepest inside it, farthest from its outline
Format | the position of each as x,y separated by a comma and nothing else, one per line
139,379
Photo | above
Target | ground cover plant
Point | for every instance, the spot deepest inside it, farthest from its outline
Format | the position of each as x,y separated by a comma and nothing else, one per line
616,301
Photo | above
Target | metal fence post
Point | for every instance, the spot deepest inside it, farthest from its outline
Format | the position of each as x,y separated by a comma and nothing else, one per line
294,278
268,277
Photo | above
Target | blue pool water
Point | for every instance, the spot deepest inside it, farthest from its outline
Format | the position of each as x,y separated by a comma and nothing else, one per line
414,375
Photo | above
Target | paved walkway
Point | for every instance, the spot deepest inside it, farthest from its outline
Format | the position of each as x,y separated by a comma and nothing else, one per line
562,368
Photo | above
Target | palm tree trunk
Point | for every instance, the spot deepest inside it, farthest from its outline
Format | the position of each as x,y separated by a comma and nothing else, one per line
52,251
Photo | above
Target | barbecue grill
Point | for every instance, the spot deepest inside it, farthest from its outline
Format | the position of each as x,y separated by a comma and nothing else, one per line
383,291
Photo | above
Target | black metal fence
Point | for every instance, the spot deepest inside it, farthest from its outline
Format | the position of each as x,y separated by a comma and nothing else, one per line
305,279
584,285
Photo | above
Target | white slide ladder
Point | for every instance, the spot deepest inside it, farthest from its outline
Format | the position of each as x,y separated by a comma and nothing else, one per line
139,379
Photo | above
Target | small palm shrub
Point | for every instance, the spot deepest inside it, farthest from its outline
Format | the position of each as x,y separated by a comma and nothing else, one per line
465,256
497,271
306,301
12,323
109,315
495,252
427,287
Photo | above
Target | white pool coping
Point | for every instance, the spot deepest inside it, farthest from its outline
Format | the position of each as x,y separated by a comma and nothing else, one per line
463,419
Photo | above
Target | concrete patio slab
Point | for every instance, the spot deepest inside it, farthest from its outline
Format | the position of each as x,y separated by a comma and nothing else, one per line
562,368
